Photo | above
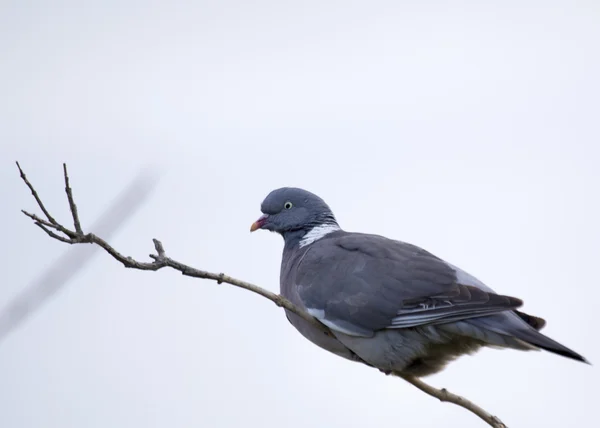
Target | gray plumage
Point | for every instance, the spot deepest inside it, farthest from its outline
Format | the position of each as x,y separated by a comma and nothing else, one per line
389,304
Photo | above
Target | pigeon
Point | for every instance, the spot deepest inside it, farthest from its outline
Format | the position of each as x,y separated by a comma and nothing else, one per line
388,304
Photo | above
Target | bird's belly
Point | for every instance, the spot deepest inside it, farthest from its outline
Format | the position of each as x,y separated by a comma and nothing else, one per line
414,351
319,338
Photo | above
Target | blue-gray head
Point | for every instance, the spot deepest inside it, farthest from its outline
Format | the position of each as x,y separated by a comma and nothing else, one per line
289,210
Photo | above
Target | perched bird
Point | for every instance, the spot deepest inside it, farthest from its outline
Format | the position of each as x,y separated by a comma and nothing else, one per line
389,304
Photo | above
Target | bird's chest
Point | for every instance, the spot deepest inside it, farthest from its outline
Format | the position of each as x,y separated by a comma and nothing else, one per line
289,290
287,276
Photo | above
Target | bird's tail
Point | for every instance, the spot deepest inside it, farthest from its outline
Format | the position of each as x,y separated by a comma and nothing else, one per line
525,328
537,339
536,322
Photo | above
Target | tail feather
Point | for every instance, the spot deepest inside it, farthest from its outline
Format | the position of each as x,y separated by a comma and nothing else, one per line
537,339
535,322
523,328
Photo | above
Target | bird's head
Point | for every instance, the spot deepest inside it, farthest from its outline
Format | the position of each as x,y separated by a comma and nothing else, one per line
290,209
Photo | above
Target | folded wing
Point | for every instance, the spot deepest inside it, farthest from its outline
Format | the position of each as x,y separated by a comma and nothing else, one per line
359,284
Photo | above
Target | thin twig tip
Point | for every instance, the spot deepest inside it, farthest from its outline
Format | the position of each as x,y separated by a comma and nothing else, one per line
21,172
158,246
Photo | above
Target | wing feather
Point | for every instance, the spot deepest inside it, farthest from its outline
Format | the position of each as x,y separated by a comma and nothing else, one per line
467,302
365,283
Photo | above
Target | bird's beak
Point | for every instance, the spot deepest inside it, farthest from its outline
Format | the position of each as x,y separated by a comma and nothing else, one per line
258,224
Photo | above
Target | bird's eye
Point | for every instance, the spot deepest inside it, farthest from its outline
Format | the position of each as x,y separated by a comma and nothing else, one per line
287,205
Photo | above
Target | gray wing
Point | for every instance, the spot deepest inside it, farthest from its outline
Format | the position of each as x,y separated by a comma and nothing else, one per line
359,284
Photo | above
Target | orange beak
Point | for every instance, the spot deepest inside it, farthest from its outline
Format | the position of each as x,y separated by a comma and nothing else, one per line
258,224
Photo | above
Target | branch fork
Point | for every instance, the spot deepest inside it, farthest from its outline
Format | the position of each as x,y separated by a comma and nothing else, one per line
160,260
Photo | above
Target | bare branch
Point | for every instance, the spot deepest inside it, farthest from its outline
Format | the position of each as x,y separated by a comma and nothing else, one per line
160,260
446,396
56,276
52,234
51,221
35,195
72,205
42,222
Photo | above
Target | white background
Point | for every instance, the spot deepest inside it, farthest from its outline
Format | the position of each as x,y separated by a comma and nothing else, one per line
466,128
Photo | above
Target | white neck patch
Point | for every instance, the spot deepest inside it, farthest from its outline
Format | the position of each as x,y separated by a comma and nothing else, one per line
317,233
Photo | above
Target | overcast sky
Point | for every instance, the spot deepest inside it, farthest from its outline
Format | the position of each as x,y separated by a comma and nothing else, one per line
469,129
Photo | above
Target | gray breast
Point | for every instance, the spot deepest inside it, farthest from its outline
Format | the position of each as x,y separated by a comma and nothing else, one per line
288,289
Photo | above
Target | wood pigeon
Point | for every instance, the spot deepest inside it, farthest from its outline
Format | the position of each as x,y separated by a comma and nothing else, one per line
389,304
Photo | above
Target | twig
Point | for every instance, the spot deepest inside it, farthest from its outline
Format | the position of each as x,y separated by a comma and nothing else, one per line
52,234
35,195
72,205
446,396
56,276
51,221
160,260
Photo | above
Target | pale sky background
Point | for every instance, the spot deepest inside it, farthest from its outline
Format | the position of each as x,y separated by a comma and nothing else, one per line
469,129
